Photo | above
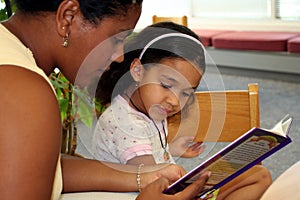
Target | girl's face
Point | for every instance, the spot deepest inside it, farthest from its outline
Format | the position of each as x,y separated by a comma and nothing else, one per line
166,87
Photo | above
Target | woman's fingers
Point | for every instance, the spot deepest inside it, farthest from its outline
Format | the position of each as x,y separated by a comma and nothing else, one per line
154,190
194,189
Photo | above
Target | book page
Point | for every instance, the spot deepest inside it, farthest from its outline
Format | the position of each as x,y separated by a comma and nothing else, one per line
282,126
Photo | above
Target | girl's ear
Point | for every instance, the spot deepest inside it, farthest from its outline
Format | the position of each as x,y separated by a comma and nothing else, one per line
136,70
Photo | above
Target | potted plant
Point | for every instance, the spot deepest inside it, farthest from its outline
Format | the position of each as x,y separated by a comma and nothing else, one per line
75,106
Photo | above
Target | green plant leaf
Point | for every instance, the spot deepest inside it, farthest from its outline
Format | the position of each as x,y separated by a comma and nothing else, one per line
99,107
3,14
63,104
85,113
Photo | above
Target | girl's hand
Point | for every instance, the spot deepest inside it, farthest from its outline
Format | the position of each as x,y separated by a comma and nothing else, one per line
184,147
155,190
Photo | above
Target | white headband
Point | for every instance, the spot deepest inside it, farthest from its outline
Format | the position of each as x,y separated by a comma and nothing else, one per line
165,36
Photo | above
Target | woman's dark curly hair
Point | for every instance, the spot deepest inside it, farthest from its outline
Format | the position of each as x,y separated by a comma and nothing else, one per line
169,47
93,10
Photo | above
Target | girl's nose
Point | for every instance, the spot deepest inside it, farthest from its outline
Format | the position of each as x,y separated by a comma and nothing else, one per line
173,99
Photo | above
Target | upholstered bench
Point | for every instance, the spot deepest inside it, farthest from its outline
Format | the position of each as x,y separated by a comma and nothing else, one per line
259,50
253,40
206,35
294,45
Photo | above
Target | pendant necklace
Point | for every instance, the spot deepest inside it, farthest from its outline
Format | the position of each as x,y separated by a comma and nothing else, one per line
163,144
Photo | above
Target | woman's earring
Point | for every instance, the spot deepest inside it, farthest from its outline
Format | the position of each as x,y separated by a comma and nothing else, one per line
66,41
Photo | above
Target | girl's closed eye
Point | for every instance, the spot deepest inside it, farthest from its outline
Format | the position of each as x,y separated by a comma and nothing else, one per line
165,85
186,94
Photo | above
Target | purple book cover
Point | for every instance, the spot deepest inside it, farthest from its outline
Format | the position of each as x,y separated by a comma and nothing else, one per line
246,151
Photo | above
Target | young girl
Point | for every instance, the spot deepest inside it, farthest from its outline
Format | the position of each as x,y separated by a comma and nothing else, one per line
163,66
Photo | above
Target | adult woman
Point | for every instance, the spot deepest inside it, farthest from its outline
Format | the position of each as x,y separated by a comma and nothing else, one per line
40,36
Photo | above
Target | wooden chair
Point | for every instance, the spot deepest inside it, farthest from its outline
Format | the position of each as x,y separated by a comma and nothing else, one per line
179,20
220,116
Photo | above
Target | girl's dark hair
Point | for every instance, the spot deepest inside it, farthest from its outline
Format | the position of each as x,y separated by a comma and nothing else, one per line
93,10
168,47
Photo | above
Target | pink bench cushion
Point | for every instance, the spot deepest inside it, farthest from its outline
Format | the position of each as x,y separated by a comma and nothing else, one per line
207,34
253,40
294,45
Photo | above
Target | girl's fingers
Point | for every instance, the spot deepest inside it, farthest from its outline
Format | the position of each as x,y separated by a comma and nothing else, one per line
197,147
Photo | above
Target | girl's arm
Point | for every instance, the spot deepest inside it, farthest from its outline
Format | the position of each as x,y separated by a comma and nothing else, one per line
145,159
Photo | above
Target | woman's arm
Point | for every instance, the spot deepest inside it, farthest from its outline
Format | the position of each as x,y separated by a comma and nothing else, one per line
81,174
30,134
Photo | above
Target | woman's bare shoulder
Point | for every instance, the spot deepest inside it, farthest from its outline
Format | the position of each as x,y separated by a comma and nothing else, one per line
30,131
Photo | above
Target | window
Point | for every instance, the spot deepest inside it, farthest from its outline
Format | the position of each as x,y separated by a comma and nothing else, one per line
287,9
249,9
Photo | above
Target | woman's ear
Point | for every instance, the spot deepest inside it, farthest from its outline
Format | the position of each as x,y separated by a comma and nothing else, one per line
66,12
136,70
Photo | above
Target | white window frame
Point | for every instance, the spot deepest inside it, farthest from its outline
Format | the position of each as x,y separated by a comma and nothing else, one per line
276,12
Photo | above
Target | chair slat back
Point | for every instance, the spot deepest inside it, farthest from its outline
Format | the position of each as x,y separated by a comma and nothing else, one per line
179,20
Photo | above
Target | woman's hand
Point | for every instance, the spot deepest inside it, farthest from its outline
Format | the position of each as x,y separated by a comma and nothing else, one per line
151,173
184,147
155,190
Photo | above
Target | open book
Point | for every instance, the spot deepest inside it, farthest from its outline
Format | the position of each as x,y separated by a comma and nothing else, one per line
240,155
